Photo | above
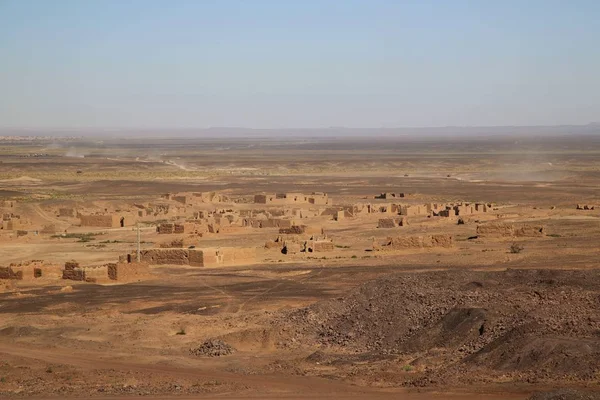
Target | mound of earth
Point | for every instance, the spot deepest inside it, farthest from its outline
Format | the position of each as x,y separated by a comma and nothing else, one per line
566,394
465,326
213,348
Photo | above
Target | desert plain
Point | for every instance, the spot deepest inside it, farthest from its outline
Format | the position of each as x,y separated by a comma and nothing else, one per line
391,267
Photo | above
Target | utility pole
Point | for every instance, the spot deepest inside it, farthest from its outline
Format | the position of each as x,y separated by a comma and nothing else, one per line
138,241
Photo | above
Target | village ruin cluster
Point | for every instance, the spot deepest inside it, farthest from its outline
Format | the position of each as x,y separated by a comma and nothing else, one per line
201,229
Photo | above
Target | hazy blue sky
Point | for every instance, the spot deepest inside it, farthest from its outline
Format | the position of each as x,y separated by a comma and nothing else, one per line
309,63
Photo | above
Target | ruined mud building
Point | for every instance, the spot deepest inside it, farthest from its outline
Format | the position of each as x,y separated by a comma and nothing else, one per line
315,198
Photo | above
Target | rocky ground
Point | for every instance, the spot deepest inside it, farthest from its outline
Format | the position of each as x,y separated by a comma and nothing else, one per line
459,327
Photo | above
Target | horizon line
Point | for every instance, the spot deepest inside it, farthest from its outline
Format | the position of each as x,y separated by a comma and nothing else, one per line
329,128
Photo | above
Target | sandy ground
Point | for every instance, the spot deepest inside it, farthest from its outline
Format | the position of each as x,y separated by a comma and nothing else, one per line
79,340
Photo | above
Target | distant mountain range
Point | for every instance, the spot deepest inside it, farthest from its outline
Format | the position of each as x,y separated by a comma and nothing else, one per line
238,132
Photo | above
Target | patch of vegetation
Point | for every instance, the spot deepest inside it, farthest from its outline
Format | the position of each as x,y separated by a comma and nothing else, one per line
354,256
516,248
339,246
554,235
97,246
3,380
83,237
181,331
49,370
407,368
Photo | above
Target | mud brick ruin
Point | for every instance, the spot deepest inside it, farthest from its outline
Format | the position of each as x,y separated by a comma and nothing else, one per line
206,257
195,198
389,195
105,221
316,198
585,207
414,242
189,218
170,228
392,222
509,230
67,212
9,273
73,272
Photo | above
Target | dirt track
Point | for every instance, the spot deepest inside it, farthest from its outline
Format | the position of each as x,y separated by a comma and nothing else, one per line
267,386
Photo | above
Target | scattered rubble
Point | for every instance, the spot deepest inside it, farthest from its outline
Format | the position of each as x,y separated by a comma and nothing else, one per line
213,348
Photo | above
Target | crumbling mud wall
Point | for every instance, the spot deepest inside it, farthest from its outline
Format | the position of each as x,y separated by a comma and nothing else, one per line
100,221
9,273
293,230
13,224
585,207
49,229
415,242
196,258
447,213
316,198
318,246
389,195
176,243
96,273
500,230
170,228
291,247
302,229
385,223
227,256
66,212
73,271
267,223
165,256
239,255
127,272
34,269
414,210
276,223
529,231
438,241
206,257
